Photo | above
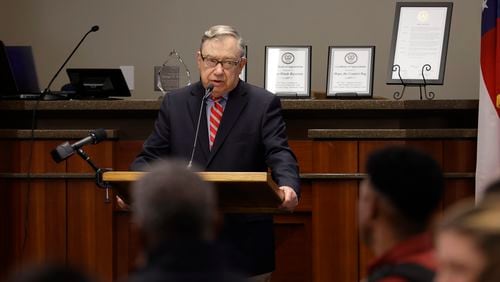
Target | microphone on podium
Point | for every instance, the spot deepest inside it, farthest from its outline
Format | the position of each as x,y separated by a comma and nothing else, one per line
208,91
47,89
66,150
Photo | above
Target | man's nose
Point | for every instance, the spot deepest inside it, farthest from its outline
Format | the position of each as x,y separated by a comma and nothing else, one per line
218,68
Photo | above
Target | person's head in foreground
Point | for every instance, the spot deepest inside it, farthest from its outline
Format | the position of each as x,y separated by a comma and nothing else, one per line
399,197
173,203
493,189
468,243
50,272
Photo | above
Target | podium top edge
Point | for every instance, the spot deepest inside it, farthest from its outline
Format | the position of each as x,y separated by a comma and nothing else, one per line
211,176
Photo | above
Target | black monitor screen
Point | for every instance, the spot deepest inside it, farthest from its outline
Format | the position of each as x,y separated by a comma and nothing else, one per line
98,83
23,68
17,70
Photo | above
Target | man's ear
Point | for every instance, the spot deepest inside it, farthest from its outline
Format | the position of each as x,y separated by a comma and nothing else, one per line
199,60
368,203
243,62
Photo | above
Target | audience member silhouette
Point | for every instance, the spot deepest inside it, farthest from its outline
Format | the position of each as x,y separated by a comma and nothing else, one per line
50,272
468,243
176,212
397,202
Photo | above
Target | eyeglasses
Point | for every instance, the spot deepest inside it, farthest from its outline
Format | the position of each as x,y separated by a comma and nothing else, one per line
226,64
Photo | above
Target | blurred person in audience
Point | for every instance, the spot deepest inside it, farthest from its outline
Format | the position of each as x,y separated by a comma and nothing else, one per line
50,272
175,211
397,203
493,189
468,243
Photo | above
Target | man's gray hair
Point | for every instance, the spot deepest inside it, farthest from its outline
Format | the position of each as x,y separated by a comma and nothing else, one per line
172,202
218,31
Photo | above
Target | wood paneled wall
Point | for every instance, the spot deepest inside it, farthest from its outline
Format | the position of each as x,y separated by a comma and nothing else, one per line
50,218
66,219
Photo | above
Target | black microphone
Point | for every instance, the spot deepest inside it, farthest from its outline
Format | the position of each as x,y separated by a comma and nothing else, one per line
66,150
47,90
208,91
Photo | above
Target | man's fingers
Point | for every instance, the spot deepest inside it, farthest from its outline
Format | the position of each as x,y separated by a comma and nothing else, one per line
121,203
290,200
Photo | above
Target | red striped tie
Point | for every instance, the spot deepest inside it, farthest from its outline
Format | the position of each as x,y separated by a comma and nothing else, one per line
215,117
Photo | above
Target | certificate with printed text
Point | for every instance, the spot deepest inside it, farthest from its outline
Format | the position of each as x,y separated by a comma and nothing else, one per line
350,71
287,70
420,38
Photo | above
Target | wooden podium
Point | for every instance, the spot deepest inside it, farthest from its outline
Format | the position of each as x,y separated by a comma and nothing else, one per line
238,192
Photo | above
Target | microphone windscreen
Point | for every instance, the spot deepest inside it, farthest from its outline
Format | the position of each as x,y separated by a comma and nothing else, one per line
99,135
94,28
62,152
210,87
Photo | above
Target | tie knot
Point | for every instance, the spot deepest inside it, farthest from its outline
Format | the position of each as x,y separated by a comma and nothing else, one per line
216,99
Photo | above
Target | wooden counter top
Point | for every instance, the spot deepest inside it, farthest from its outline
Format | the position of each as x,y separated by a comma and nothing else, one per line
52,133
288,104
135,118
441,133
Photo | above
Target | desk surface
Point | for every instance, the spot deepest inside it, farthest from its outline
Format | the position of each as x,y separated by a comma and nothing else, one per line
287,104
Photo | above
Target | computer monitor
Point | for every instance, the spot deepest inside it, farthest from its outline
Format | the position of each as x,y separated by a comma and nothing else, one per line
98,83
17,71
7,82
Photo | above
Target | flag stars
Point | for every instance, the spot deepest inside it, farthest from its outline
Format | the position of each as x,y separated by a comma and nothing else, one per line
485,4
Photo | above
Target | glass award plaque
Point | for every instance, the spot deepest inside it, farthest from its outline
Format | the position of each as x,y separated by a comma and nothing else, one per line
172,74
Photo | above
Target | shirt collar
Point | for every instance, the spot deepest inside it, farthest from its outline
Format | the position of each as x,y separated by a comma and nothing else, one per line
411,246
223,98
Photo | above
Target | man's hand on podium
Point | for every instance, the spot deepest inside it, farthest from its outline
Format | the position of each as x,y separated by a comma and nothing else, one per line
290,200
121,203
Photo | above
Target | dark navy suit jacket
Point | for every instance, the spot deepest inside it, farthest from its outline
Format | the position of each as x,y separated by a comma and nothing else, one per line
251,137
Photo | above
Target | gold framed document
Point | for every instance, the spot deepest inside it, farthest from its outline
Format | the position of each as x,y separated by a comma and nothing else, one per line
288,71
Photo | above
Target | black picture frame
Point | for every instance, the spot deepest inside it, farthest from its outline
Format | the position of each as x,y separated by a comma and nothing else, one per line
308,49
395,72
348,93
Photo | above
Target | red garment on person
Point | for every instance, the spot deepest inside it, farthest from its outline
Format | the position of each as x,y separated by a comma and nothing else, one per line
418,249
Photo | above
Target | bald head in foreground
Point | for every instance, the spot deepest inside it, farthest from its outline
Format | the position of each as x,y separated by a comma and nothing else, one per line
175,211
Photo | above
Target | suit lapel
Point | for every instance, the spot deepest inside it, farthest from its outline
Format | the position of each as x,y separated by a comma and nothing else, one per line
194,109
235,104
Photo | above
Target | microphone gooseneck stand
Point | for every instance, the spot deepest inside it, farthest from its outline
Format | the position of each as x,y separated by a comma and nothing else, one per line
208,91
98,174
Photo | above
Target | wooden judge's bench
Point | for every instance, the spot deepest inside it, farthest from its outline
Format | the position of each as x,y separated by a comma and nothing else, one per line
51,211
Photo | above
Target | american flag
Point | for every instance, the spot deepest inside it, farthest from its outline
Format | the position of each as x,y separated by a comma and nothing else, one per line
488,139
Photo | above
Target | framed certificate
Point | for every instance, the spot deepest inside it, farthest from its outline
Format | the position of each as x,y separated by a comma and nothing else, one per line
420,38
243,74
350,71
288,71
